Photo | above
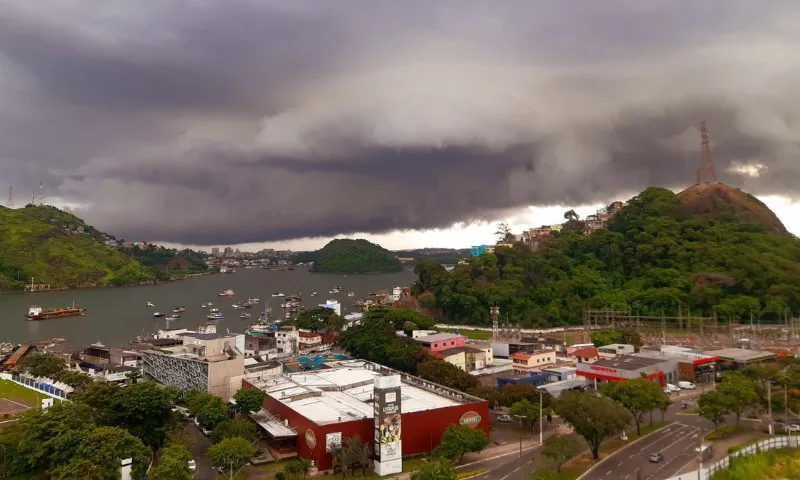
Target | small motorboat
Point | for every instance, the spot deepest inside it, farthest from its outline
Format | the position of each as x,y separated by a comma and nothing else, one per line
277,294
158,314
179,309
151,304
173,317
313,294
226,293
245,316
214,310
334,291
351,294
215,316
237,305
253,301
208,305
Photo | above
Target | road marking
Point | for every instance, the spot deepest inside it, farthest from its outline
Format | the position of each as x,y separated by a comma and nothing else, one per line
609,472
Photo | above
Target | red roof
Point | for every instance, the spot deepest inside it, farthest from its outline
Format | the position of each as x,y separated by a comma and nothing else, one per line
585,352
521,356
309,335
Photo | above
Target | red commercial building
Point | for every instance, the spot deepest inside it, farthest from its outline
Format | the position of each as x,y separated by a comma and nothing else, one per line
313,410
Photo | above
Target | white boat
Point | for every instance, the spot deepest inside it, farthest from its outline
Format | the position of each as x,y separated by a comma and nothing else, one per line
334,291
179,309
245,316
173,317
351,294
236,305
226,293
208,305
253,301
313,294
277,294
215,316
158,314
214,310
151,304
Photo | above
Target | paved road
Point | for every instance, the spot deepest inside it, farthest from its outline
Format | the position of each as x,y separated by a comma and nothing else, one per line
676,442
677,454
201,443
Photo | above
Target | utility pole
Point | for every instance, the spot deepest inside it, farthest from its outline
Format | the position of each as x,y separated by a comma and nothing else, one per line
10,203
541,425
769,405
700,456
520,417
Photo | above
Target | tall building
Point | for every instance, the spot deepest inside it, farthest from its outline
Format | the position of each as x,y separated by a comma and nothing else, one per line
215,251
207,362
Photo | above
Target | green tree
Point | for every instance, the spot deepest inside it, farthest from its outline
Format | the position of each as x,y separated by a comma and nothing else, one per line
360,452
235,428
447,374
231,455
491,395
441,470
314,319
212,413
458,440
739,394
173,464
560,448
41,365
637,396
713,406
195,400
528,413
100,453
249,400
595,418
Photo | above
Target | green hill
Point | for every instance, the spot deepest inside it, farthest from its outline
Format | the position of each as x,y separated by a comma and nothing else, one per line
47,245
351,256
660,255
723,202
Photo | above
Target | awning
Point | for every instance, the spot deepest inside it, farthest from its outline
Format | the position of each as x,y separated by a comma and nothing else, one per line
274,427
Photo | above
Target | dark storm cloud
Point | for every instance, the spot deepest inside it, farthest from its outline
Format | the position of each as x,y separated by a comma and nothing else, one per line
204,122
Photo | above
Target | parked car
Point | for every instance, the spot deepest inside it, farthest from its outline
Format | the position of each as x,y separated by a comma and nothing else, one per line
794,428
505,418
672,388
192,465
686,385
656,457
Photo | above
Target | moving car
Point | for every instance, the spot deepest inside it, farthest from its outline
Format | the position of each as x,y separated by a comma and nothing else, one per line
505,418
656,457
192,465
686,385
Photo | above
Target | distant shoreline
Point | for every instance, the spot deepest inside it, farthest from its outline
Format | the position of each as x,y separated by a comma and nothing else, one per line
139,284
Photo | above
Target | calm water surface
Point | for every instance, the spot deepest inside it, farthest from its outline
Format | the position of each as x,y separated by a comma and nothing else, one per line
117,315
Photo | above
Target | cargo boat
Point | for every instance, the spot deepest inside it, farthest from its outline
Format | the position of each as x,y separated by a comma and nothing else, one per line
38,313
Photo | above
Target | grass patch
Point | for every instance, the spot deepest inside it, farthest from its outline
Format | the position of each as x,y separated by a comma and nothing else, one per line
471,334
14,391
690,411
471,473
723,432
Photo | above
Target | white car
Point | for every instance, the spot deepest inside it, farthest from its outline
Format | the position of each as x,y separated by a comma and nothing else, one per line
794,428
192,465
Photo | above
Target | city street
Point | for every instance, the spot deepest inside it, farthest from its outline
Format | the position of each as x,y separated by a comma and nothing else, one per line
201,443
676,442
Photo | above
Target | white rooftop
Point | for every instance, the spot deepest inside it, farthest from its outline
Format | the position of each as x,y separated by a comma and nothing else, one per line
437,337
343,394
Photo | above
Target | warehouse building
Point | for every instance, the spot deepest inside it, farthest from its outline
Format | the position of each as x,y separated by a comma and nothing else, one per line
628,367
313,411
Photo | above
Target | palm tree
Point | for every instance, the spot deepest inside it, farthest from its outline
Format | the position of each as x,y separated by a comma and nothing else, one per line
342,457
360,453
305,466
292,469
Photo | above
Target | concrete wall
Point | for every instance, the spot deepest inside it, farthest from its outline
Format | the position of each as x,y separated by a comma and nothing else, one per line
220,374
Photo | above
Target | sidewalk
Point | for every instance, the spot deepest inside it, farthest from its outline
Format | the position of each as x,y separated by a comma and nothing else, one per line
721,449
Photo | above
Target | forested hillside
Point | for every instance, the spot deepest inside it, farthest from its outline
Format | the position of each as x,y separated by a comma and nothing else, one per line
50,246
351,256
657,257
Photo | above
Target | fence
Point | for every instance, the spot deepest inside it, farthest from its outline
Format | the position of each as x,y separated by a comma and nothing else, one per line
47,386
762,446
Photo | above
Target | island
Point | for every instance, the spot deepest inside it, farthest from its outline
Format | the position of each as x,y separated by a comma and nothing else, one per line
351,256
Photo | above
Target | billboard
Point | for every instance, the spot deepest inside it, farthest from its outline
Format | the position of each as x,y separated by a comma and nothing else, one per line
333,441
388,428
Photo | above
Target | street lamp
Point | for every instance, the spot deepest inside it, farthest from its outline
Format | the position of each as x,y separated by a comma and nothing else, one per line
541,430
520,417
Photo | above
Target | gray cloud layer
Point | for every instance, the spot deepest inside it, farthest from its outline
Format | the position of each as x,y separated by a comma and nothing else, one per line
204,122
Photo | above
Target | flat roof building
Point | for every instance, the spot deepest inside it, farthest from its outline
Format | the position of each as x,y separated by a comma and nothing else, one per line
315,408
741,356
628,367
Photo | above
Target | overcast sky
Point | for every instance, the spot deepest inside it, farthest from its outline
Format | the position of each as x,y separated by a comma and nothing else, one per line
200,122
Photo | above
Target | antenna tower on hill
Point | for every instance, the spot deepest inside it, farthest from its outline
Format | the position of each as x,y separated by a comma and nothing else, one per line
705,172
41,193
10,203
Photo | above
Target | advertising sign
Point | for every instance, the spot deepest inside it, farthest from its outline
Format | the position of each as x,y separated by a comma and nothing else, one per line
333,440
388,429
311,439
470,419
605,370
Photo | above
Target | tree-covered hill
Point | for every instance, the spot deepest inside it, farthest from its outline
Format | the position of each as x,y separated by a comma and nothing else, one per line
656,257
351,256
440,255
51,246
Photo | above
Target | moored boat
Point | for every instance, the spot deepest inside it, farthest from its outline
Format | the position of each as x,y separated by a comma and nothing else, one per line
158,314
151,304
226,293
277,294
35,312
173,317
208,305
179,309
215,316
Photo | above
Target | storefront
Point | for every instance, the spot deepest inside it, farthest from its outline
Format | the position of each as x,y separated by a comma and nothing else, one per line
629,367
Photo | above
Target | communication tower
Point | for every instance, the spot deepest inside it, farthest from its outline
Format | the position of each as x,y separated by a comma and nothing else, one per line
10,203
495,311
705,172
41,193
